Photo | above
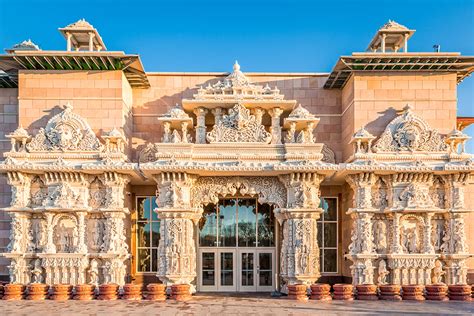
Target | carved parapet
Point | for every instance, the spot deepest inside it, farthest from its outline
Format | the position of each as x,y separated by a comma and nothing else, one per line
64,268
411,269
412,191
18,269
456,269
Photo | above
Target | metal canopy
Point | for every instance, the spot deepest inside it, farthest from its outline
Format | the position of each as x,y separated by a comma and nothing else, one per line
88,61
463,66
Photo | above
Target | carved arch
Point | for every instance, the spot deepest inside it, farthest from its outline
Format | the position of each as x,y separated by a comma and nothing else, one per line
209,189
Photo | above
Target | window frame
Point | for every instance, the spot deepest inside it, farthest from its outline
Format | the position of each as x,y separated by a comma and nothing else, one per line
321,246
149,221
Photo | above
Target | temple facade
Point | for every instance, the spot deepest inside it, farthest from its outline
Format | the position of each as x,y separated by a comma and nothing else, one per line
234,181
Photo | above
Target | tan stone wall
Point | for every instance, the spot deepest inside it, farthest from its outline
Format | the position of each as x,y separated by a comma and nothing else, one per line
168,89
8,123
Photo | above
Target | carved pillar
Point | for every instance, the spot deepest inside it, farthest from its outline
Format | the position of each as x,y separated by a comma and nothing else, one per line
300,251
428,244
50,246
217,115
362,184
81,230
275,128
362,236
114,184
396,246
200,125
176,249
20,233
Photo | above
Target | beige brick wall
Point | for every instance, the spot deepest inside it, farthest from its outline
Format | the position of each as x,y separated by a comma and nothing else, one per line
8,123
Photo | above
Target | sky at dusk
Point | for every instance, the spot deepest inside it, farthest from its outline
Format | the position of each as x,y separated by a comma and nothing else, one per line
265,36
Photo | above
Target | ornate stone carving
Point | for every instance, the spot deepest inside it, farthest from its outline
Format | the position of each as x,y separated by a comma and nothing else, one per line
302,190
66,233
114,234
328,154
20,186
238,126
380,236
409,132
61,196
18,271
65,269
97,194
20,235
93,272
382,273
210,189
37,272
65,131
411,233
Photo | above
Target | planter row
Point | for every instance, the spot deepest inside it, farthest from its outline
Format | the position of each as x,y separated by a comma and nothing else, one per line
85,292
370,292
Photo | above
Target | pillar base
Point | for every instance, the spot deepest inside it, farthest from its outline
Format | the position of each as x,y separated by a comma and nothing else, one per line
37,291
437,292
390,292
297,292
108,292
156,292
13,292
367,292
344,292
460,292
84,292
321,292
413,292
180,292
61,292
132,292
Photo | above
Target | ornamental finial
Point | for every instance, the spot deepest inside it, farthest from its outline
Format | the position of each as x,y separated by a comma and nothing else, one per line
236,66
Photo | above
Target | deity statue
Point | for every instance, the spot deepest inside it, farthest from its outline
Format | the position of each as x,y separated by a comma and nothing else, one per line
37,272
382,272
380,236
13,271
94,272
437,273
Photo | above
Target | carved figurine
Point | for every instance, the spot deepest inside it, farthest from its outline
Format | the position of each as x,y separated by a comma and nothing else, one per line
437,273
382,272
37,272
94,272
380,236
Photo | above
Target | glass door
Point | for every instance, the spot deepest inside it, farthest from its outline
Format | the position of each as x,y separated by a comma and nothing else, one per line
265,270
248,271
207,277
227,267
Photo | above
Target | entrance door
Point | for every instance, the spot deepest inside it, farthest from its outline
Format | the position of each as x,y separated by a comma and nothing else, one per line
257,270
237,247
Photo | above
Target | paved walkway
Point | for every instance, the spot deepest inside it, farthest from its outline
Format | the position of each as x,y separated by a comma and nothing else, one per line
223,305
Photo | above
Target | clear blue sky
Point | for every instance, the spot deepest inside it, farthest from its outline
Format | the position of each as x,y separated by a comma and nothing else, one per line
271,36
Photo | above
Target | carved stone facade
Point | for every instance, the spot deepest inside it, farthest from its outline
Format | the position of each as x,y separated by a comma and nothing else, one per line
408,217
67,205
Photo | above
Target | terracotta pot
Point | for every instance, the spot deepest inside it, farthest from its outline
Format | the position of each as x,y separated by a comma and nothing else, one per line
108,292
390,292
413,292
37,291
156,292
132,292
460,292
84,292
367,292
181,292
61,292
343,292
13,292
321,292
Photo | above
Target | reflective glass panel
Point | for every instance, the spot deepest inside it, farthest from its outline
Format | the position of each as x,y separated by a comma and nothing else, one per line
227,223
154,260
330,260
208,227
208,268
142,209
143,234
227,268
154,215
247,222
266,226
329,205
247,269
265,269
330,235
143,262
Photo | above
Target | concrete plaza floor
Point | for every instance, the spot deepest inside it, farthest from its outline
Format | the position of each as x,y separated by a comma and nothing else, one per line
224,305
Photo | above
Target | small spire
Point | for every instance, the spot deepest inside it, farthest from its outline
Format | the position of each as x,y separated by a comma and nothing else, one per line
68,106
236,66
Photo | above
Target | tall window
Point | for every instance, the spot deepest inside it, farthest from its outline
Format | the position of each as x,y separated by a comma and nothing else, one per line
327,235
148,234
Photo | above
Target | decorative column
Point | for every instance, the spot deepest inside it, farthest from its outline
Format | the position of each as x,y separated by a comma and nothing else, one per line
20,235
200,125
428,245
383,42
300,251
275,128
91,41
50,246
69,37
405,46
20,185
217,115
81,230
396,246
176,250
